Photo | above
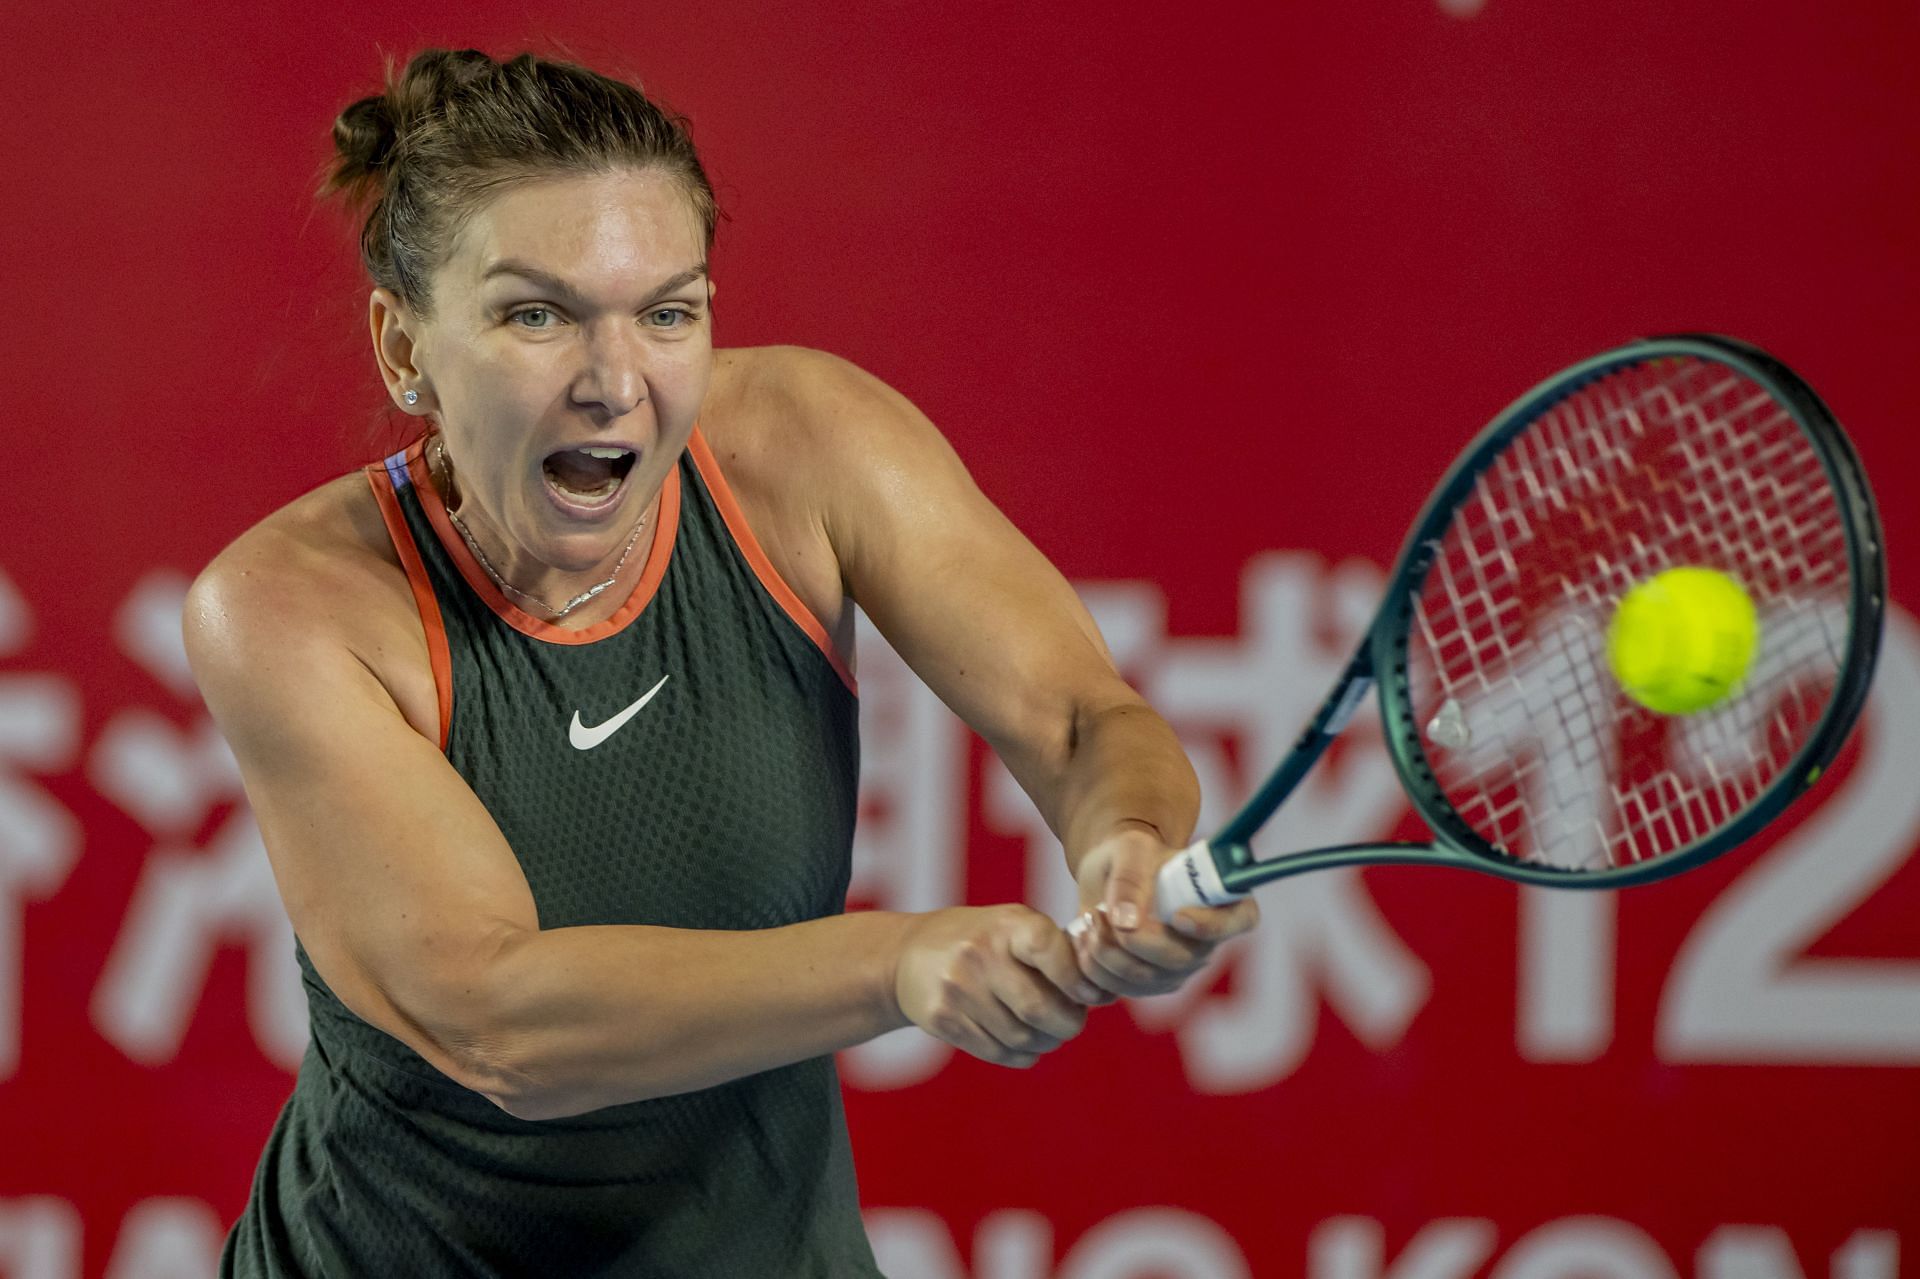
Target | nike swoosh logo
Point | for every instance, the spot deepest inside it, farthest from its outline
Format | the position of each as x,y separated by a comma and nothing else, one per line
585,739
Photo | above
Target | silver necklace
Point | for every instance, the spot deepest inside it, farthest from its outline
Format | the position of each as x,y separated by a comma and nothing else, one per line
480,555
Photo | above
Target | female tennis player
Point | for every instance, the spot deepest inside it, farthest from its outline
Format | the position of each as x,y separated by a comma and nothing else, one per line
549,724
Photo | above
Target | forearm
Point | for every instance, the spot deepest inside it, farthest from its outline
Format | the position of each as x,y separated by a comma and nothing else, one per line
593,1016
1126,765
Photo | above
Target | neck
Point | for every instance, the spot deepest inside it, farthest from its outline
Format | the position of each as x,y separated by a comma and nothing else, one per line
548,593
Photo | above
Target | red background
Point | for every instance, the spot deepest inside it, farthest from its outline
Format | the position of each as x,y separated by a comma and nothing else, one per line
1183,284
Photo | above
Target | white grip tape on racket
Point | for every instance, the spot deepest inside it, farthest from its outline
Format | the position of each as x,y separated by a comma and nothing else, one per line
1189,878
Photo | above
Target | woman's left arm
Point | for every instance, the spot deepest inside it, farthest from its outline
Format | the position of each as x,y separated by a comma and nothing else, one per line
993,628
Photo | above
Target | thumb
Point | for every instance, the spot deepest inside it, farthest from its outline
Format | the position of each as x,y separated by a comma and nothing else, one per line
1129,892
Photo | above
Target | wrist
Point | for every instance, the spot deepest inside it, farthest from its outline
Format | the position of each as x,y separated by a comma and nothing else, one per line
1110,831
884,971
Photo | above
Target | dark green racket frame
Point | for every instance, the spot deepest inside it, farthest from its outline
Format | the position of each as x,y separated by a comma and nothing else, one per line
1382,656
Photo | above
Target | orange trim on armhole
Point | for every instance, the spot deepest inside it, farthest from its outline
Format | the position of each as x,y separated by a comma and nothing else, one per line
736,521
423,598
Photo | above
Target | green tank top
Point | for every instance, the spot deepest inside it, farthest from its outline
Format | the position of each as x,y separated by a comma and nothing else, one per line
725,801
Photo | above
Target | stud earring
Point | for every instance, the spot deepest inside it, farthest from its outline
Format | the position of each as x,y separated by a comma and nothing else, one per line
413,397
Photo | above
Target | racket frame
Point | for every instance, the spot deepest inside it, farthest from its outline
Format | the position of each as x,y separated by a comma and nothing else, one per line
1380,663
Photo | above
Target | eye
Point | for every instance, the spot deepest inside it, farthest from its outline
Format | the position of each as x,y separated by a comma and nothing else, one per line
679,314
532,310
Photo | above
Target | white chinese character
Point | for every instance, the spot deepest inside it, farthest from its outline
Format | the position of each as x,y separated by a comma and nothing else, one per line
39,839
189,900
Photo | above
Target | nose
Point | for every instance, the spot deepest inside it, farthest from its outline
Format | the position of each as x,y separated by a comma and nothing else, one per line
615,372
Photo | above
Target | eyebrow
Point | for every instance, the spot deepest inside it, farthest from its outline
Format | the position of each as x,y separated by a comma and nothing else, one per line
546,280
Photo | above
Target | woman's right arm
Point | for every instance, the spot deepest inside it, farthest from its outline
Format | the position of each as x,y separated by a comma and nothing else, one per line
414,909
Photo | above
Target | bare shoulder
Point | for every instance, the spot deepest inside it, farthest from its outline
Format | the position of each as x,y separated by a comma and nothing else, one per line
768,415
314,583
824,433
794,430
813,390
965,599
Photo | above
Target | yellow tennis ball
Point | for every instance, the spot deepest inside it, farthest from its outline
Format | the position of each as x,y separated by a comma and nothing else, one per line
1682,640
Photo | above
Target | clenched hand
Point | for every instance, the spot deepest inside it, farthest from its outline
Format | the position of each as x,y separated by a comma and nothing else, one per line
1122,947
1000,982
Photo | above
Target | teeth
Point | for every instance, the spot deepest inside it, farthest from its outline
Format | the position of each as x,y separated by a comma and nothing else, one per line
609,455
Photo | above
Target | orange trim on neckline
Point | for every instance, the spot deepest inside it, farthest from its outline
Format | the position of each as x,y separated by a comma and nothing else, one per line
665,532
736,521
438,656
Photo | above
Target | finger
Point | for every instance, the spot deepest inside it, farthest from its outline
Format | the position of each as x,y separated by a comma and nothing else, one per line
1215,924
1153,943
1082,934
1094,976
1142,981
1033,998
1111,968
993,1015
1120,954
965,1033
1110,986
1049,951
1045,1017
1085,944
1127,897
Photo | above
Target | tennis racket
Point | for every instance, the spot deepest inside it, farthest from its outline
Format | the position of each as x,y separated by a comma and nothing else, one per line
1512,738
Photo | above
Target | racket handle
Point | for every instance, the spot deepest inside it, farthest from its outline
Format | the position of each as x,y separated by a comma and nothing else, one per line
1191,878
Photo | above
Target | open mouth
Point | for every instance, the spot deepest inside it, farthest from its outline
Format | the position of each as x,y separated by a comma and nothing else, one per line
588,476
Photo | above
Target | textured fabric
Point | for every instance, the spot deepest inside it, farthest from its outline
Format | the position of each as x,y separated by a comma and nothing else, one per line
727,802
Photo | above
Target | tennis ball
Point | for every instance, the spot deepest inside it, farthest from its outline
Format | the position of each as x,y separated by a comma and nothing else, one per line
1682,640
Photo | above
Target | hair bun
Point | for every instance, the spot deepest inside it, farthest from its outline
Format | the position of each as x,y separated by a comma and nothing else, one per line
365,135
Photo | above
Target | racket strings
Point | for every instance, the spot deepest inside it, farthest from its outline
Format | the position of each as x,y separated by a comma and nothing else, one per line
1682,462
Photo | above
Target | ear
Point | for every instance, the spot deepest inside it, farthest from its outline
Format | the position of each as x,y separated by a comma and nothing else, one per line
393,340
712,289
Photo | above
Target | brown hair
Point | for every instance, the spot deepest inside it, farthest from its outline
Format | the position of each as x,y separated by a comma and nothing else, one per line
456,126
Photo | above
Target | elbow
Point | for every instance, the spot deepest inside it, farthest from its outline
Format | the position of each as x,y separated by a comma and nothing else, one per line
474,1054
475,1040
535,1044
507,1084
534,1108
516,1081
524,1105
505,1051
531,1088
519,1093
